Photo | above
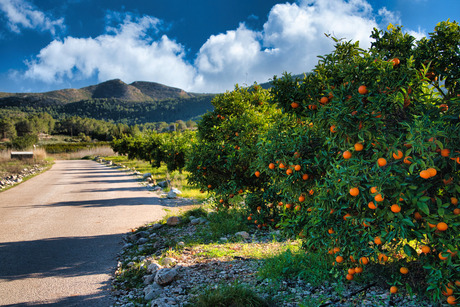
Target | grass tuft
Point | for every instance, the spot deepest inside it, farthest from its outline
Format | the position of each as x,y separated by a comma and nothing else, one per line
296,263
235,295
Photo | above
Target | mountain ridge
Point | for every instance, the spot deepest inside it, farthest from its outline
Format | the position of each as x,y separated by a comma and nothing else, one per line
138,91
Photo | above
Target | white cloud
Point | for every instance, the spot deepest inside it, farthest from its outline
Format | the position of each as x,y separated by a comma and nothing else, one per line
21,14
125,52
291,39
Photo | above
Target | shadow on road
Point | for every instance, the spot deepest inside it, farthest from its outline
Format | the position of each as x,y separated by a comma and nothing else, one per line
95,300
133,201
58,257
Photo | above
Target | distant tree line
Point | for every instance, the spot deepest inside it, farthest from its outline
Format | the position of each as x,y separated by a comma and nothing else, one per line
22,129
114,110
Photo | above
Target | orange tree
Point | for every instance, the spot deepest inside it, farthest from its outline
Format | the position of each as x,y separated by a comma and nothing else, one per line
220,160
379,130
169,148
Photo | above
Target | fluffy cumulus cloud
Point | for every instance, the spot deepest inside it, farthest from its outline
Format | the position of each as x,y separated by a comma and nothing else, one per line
21,14
291,39
125,52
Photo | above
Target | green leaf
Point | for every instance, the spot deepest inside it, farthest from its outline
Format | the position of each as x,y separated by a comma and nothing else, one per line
409,250
424,198
423,207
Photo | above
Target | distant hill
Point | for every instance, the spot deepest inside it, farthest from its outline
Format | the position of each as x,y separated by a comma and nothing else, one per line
112,89
114,100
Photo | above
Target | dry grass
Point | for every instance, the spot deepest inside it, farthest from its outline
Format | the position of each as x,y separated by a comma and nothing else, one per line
103,151
10,166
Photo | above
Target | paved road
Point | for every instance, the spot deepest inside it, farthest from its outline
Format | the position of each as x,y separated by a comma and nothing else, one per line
60,233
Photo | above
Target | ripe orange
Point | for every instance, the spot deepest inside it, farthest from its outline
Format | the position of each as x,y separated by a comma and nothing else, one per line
393,289
371,205
351,271
330,231
257,173
379,198
346,155
441,256
431,225
297,208
346,216
358,270
339,259
443,107
451,300
297,167
404,270
363,260
377,240
282,165
271,166
349,277
289,171
417,216
425,174
447,289
333,129
442,226
249,218
288,206
373,190
311,192
425,249
407,160
301,198
398,155
305,176
294,105
445,152
432,172
362,90
381,162
456,211
395,208
324,100
209,186
336,250
359,147
395,62
354,191
453,201
383,258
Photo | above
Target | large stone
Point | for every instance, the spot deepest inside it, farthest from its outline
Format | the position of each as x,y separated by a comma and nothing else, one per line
165,276
146,175
173,221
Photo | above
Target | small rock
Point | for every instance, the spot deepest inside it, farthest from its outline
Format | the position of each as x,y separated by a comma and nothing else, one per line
157,189
191,217
243,234
165,276
146,175
202,220
142,241
173,221
164,184
168,261
173,193
153,267
148,279
181,244
152,291
157,226
223,239
195,221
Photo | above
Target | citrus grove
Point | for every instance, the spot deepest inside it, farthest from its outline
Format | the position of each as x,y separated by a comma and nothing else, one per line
360,158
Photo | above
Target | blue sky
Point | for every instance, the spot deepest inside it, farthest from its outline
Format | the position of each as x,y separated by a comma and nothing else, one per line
199,45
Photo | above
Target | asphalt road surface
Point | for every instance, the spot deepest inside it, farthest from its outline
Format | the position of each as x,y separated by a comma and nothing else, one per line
60,233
